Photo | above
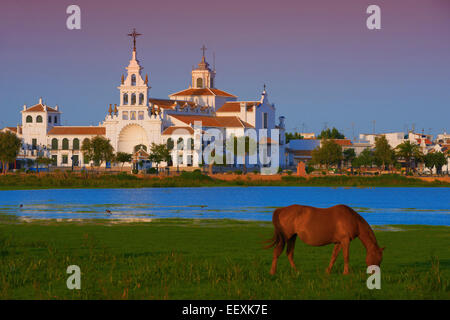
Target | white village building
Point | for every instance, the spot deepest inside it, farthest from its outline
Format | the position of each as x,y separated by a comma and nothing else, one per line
138,119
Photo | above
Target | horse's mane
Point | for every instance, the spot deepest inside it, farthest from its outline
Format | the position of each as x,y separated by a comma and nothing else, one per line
364,226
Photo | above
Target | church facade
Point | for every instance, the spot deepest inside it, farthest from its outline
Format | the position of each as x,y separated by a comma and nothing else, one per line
140,120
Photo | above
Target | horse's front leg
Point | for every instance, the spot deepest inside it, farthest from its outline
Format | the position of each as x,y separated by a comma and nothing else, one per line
346,253
336,250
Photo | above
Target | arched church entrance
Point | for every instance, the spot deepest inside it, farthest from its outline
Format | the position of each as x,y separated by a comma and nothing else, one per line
130,136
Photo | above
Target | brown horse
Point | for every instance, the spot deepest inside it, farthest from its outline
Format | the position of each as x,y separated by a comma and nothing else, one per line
318,227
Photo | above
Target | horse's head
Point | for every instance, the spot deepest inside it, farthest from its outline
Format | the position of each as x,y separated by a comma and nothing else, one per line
374,257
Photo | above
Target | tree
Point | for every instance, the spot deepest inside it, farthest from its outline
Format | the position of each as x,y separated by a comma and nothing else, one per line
435,159
123,157
330,153
249,148
292,136
330,134
44,161
366,158
9,149
383,152
98,149
349,155
440,160
159,153
408,151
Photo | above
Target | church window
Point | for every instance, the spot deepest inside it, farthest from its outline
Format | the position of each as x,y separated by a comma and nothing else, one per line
132,115
141,99
55,160
125,99
190,143
264,120
49,119
133,99
199,83
133,80
39,119
125,115
65,159
180,159
55,120
170,144
180,144
33,144
212,83
141,115
54,144
76,144
29,119
65,144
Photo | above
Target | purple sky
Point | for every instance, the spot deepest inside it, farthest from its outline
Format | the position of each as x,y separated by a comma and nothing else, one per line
322,66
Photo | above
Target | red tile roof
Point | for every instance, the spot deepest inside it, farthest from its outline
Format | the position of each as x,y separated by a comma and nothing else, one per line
343,142
235,106
427,141
178,130
40,108
170,104
207,121
77,131
203,92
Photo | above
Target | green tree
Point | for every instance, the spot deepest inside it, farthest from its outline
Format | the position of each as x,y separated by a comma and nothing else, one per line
97,149
249,148
330,134
123,157
43,161
159,153
366,158
330,153
408,151
435,159
383,152
292,136
349,155
9,149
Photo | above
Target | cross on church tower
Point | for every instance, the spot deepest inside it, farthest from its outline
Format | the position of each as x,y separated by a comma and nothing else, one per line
134,34
203,49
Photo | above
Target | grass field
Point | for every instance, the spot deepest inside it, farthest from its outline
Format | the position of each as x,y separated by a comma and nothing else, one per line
209,259
197,179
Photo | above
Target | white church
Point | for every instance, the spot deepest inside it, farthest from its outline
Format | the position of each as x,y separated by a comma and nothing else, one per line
140,120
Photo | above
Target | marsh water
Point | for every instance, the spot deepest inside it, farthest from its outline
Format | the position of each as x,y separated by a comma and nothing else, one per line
379,206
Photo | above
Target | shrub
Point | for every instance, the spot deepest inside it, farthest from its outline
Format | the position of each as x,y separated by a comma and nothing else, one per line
152,171
238,172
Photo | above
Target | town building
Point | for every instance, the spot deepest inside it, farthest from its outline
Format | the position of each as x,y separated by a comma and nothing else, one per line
141,120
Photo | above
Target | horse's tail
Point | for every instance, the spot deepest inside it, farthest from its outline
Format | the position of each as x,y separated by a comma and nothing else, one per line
278,233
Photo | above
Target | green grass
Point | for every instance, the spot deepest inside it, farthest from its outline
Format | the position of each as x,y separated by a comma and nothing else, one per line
196,179
208,259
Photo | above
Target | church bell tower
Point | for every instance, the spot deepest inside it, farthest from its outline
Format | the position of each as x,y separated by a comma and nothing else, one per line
134,89
203,76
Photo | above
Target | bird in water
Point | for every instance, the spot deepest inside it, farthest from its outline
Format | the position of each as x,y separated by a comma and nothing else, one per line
108,212
21,205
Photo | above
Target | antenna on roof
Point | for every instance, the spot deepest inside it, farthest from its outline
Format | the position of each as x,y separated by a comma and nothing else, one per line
214,61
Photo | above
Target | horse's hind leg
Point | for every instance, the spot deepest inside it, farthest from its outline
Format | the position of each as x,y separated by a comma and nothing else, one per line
336,250
276,253
290,250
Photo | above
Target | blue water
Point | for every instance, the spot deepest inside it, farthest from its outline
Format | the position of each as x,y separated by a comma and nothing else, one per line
379,206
